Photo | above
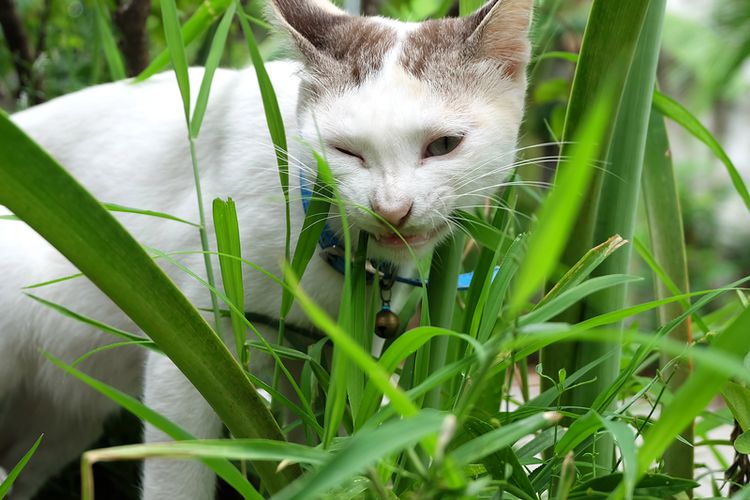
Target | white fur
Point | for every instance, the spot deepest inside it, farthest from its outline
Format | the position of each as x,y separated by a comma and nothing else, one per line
127,144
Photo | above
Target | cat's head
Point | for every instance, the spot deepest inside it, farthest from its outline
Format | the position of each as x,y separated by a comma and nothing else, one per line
417,120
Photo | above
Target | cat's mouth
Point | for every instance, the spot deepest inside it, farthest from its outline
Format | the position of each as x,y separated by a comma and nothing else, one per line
415,240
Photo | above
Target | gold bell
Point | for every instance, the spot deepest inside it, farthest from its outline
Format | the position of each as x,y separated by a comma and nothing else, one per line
386,323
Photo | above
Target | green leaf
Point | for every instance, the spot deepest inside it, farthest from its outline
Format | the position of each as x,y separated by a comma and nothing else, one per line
212,62
113,207
583,268
348,347
16,470
695,394
506,435
737,398
362,450
35,188
199,23
229,449
625,439
176,52
222,467
111,52
583,428
651,485
228,244
569,297
558,213
312,227
742,443
674,110
89,321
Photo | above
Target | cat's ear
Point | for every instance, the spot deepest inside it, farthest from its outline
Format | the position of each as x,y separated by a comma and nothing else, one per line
500,31
308,23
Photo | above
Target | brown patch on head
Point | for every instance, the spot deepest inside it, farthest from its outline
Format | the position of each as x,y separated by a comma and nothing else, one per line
492,39
338,50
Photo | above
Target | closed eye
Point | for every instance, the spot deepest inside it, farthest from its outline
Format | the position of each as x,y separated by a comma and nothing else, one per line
349,153
442,146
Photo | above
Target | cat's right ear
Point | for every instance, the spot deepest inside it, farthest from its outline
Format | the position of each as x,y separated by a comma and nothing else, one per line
308,24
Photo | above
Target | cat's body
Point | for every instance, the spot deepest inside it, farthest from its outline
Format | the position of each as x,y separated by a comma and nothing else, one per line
407,137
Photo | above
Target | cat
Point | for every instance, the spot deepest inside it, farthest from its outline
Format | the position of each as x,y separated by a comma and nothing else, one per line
416,120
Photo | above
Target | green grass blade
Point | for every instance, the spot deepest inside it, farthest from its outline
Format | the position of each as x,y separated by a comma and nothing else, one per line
667,236
675,111
404,346
228,244
348,347
87,320
35,188
501,437
362,450
199,23
111,52
583,268
625,439
558,214
694,395
176,52
212,62
571,296
113,207
274,121
222,467
16,470
312,227
230,449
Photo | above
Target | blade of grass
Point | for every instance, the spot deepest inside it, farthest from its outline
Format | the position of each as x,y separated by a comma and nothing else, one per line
16,470
222,467
675,111
502,437
668,242
558,213
362,450
179,62
109,46
228,244
199,23
694,395
212,62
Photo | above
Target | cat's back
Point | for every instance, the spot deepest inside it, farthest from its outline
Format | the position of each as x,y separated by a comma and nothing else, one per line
127,143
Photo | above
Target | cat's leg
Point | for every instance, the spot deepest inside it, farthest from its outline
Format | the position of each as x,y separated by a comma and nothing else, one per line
169,393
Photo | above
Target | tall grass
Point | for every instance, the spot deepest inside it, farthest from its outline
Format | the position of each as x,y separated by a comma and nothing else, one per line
451,425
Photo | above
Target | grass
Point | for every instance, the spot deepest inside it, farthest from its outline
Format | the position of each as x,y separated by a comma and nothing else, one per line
452,425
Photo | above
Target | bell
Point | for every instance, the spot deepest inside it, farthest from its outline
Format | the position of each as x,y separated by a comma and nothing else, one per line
386,324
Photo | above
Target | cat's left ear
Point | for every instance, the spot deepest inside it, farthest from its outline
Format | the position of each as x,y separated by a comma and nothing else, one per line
500,31
310,24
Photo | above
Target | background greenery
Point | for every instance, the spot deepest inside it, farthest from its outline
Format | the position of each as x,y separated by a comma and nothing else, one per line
606,399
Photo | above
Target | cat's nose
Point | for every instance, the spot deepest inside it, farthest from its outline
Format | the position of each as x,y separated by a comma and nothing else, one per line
395,213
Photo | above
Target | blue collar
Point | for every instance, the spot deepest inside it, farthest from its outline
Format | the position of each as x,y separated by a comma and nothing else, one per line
332,248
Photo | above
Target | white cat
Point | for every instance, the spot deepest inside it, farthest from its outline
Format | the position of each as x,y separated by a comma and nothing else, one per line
417,120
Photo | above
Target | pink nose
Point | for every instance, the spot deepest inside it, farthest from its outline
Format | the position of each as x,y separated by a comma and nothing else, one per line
395,214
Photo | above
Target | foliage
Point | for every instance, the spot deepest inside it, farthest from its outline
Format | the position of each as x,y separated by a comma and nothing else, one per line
454,425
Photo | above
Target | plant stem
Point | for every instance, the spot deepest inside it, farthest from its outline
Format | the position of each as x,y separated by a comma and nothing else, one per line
204,236
441,293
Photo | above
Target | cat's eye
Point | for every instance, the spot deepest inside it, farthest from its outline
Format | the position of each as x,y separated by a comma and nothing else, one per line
442,146
349,153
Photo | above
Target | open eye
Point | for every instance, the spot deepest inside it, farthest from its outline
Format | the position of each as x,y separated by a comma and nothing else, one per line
442,146
349,153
